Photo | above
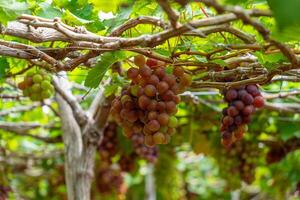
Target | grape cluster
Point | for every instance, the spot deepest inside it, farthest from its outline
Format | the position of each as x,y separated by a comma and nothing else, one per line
37,85
239,162
148,153
242,102
109,143
4,190
127,162
148,104
110,180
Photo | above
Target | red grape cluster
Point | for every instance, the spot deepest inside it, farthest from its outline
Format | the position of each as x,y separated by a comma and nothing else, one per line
148,153
37,85
109,143
4,190
239,162
148,104
127,162
242,102
110,180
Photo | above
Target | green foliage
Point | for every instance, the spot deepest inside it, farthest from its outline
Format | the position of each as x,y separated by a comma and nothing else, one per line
10,9
96,74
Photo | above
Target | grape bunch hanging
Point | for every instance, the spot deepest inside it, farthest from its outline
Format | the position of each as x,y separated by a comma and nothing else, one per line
148,105
37,85
148,153
242,103
109,144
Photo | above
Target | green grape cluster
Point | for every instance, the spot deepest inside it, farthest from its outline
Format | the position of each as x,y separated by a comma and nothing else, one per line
37,85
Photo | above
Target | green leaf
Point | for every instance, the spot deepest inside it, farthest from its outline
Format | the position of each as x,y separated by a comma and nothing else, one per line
3,66
48,11
71,18
110,90
10,9
96,74
286,13
220,62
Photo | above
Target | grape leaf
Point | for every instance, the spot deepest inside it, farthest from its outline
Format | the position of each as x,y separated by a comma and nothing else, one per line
10,9
96,74
286,13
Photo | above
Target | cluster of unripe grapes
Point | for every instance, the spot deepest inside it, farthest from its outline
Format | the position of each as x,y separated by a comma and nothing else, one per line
148,105
37,85
148,153
242,102
108,147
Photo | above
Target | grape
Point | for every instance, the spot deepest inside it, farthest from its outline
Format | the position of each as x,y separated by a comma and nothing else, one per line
37,78
30,74
145,71
150,90
125,99
248,110
170,79
132,73
163,119
26,92
132,116
46,94
22,85
247,99
162,87
45,84
238,120
134,90
139,60
176,99
186,80
153,80
241,93
36,87
161,106
153,125
159,138
238,104
171,131
152,115
160,72
168,96
247,119
172,122
28,81
232,111
258,102
152,105
151,63
143,102
253,90
149,140
231,95
171,107
146,131
227,120
178,71
163,129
